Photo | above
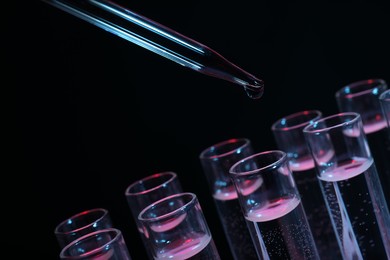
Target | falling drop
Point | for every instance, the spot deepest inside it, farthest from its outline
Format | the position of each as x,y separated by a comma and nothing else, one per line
254,92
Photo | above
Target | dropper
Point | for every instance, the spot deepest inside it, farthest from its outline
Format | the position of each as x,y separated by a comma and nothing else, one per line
161,40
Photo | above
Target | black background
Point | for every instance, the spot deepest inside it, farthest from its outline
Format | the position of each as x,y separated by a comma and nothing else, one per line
92,113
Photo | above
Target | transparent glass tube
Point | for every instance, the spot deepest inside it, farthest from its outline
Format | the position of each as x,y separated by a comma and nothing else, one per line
148,190
216,161
105,244
289,137
177,229
363,97
384,99
160,40
351,185
277,220
82,223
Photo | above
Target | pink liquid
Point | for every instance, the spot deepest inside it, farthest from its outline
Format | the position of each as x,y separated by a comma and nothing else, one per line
169,224
356,167
273,210
368,128
228,193
196,247
371,128
302,164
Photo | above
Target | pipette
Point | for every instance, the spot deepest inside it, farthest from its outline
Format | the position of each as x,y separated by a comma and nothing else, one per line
161,40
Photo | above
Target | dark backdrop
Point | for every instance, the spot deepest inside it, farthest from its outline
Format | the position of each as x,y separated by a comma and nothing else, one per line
91,113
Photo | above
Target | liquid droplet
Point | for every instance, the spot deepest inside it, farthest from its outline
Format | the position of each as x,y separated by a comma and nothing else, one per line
254,92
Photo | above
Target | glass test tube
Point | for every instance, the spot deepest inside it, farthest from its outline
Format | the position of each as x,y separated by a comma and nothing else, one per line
81,224
147,190
351,186
363,97
216,161
177,229
289,137
278,222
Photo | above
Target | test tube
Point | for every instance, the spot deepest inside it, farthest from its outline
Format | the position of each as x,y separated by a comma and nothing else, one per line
363,97
350,185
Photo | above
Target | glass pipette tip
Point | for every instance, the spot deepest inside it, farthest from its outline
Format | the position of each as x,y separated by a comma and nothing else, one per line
161,40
